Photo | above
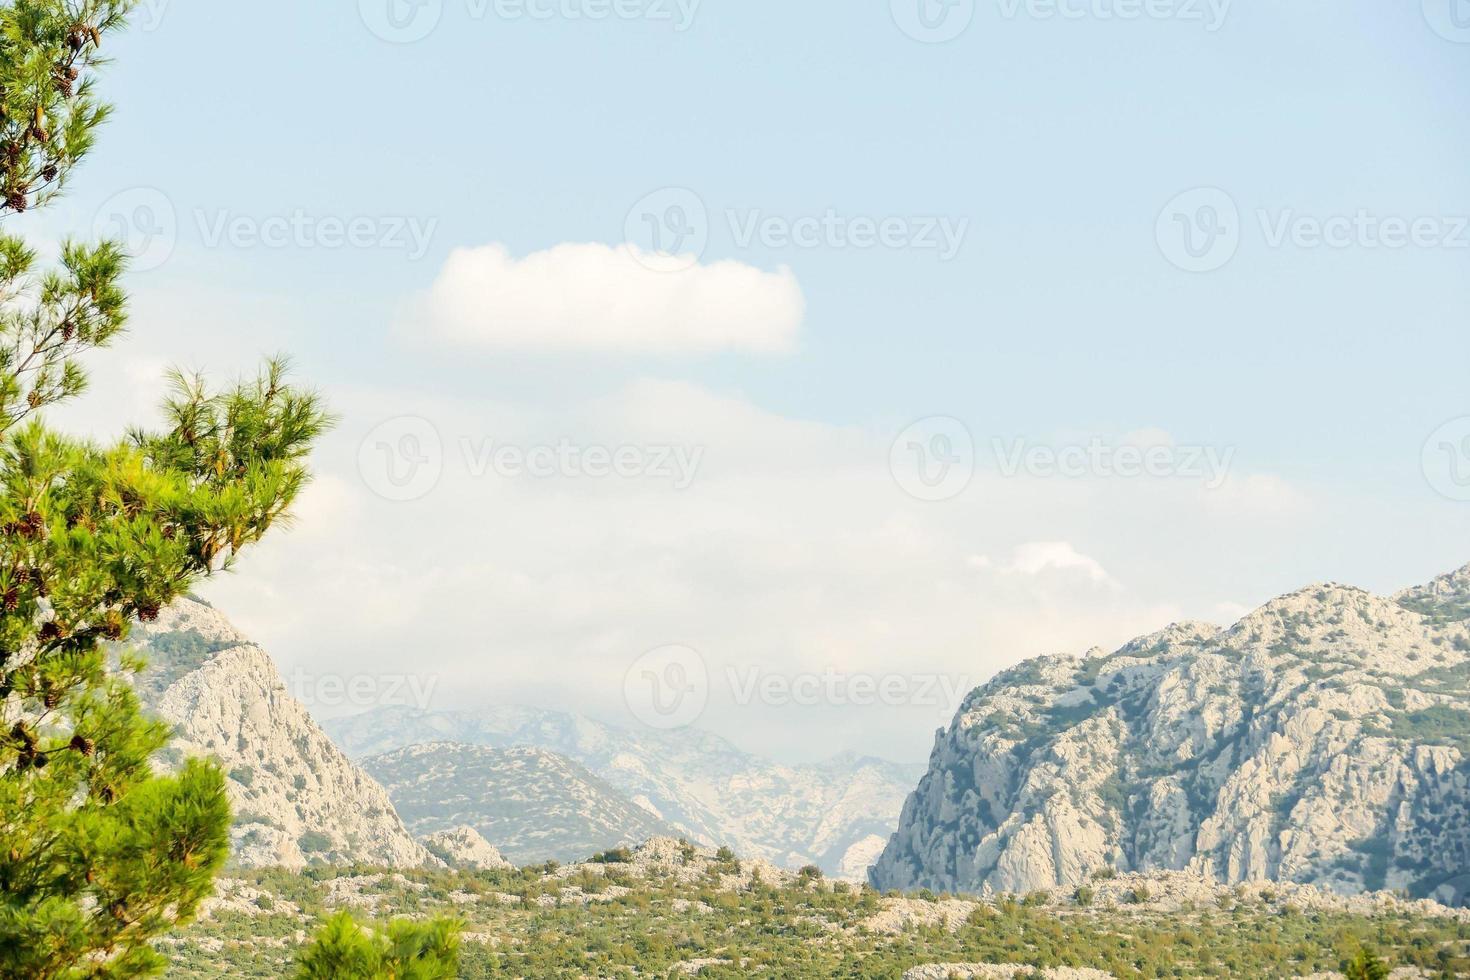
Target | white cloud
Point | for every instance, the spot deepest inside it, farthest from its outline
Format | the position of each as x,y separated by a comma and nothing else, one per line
593,297
1038,557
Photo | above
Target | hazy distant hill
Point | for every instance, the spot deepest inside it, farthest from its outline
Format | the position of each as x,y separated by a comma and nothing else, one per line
532,804
836,815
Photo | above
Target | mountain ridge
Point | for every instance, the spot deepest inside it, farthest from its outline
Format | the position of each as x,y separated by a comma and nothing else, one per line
297,798
835,814
1321,739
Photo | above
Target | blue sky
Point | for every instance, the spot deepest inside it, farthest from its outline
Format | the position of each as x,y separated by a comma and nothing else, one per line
1057,142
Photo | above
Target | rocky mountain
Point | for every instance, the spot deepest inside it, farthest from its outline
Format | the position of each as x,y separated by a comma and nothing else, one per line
536,805
464,848
1322,740
297,798
836,815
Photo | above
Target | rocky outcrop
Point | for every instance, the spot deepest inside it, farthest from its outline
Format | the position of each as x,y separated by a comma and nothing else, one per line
834,814
297,799
1323,739
463,848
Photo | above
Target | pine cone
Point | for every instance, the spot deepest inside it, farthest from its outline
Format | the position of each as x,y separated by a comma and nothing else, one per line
82,745
49,172
50,631
32,524
34,399
112,626
148,612
16,201
51,697
63,85
11,600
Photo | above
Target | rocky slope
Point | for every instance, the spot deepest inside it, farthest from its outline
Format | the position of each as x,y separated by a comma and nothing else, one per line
464,848
297,799
1323,739
537,806
836,814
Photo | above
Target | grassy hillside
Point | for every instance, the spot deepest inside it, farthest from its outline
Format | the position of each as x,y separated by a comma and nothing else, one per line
693,913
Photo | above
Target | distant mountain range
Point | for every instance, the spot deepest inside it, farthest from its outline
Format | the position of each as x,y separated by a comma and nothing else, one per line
538,805
538,785
1324,739
835,814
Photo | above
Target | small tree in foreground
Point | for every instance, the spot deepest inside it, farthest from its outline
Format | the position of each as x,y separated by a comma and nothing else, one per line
1366,965
407,950
98,855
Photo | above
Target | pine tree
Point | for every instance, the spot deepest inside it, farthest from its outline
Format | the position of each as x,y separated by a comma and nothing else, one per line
407,950
98,854
1366,965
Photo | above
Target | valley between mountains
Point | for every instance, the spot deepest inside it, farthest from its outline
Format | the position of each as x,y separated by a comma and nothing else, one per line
1313,756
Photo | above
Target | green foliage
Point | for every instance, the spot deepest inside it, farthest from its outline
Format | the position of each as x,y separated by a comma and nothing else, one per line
344,950
806,930
1365,965
97,853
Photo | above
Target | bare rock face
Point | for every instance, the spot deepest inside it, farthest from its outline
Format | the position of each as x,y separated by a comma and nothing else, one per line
296,798
1324,740
465,849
